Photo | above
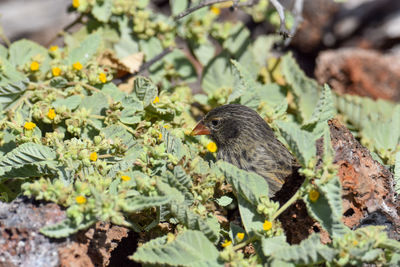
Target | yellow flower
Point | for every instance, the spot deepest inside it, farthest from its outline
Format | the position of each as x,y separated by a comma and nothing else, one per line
51,114
80,199
125,178
53,48
56,71
355,243
215,10
212,147
267,225
166,126
35,66
313,195
29,125
226,243
103,77
159,136
77,65
156,100
75,3
93,156
240,236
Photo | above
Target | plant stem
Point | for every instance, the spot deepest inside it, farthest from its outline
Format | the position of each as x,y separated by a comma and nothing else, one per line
293,199
248,241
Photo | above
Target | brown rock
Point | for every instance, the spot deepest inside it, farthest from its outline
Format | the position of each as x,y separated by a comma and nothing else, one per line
360,72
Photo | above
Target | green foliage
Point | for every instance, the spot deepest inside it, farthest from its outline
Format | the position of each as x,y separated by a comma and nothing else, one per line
123,154
191,248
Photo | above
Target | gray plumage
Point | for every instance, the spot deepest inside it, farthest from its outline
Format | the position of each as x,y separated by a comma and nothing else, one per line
246,140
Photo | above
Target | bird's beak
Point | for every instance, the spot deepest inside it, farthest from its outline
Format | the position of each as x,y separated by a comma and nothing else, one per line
200,129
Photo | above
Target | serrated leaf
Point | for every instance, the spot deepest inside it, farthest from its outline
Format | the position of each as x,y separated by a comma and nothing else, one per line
193,221
175,182
24,52
85,51
305,89
204,52
138,203
190,248
65,228
182,177
244,81
173,144
96,103
115,131
145,90
177,6
238,39
102,11
251,219
58,82
10,92
71,102
324,111
309,251
301,143
224,201
217,74
249,185
28,160
328,209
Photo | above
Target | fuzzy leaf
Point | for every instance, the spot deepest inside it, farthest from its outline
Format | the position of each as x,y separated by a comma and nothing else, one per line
193,221
115,131
251,219
85,51
102,11
309,251
328,208
65,228
10,92
301,143
71,102
58,82
249,185
173,144
238,40
137,203
24,52
28,160
305,89
217,74
324,111
190,248
244,82
145,90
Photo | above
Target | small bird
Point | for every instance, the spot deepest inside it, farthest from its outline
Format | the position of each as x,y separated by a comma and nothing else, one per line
245,140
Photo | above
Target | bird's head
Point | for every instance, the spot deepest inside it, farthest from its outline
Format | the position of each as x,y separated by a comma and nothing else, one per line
232,124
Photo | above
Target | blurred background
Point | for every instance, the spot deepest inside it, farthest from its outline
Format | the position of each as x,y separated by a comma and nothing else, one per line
353,45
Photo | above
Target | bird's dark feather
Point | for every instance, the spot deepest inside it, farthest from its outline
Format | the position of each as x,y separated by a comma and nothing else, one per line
246,140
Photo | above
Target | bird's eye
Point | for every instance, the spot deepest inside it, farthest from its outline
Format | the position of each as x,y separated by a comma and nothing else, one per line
215,122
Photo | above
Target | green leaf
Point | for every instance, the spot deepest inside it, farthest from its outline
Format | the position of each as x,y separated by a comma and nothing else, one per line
85,51
306,90
217,74
114,132
224,201
65,228
58,82
193,221
10,92
102,11
138,203
261,48
204,52
145,90
324,111
71,102
127,45
190,248
238,40
28,160
177,6
328,208
173,144
301,143
251,219
178,182
309,251
24,52
249,185
244,81
96,103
